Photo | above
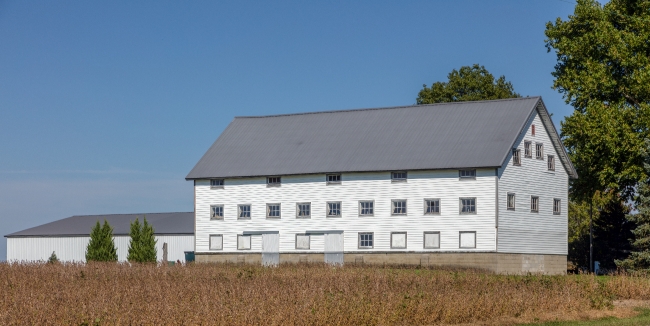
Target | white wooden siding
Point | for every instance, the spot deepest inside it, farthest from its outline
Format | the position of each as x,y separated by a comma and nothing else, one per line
70,249
376,186
521,231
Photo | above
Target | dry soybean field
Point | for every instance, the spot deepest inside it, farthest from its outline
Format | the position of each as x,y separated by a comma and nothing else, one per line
110,293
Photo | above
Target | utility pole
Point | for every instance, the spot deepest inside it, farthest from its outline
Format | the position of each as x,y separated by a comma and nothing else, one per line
591,236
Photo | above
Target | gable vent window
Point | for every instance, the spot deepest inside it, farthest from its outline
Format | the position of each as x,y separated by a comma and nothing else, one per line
366,208
216,212
539,151
468,205
273,210
334,209
557,207
528,151
398,176
333,178
532,130
511,201
244,212
551,163
273,181
432,206
534,204
467,174
216,183
516,157
399,206
303,210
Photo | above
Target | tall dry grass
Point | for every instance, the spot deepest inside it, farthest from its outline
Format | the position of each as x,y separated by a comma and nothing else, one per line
108,293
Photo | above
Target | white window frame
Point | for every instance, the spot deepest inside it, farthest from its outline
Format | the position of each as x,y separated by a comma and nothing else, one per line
298,210
240,211
424,242
249,241
210,241
467,174
372,240
398,176
460,202
335,182
392,207
539,151
405,240
514,201
327,208
308,242
268,210
426,206
534,204
460,236
212,211
557,206
217,183
273,181
551,162
516,157
528,149
372,203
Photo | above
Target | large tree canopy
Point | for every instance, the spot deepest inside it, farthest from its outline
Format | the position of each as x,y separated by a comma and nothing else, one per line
467,84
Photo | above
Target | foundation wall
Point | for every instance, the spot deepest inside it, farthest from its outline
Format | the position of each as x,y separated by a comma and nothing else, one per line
491,262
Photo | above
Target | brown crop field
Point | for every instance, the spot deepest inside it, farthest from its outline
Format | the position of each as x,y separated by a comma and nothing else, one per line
109,294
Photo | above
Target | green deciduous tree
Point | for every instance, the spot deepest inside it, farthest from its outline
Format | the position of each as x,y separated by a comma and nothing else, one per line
467,84
142,248
101,246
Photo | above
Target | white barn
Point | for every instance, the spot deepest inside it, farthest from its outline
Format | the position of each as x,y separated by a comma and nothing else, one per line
474,184
69,237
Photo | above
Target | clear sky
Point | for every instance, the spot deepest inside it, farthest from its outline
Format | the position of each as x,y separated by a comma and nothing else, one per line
106,106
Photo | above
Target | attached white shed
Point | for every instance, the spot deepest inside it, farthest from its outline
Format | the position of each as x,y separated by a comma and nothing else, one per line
69,237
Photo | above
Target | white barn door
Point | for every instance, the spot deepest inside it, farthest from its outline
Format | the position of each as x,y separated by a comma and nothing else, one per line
270,249
334,248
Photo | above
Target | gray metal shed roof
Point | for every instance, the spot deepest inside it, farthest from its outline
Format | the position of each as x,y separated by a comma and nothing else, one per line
419,137
80,225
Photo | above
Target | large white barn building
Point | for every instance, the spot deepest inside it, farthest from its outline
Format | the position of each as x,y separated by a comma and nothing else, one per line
476,184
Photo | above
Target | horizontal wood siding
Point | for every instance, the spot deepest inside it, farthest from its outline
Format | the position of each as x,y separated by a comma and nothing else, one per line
72,249
522,231
377,186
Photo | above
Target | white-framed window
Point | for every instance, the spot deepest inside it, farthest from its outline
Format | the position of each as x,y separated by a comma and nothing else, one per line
432,206
431,240
303,210
216,212
243,242
534,204
516,157
303,241
273,210
557,206
467,239
398,240
528,149
333,178
398,206
366,240
511,201
467,174
216,183
366,208
273,181
551,163
216,242
334,209
468,205
398,176
539,151
244,212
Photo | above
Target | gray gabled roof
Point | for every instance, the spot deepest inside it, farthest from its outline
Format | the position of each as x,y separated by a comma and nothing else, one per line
80,225
420,137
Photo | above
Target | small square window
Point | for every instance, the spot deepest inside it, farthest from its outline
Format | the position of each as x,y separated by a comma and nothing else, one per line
243,242
333,178
557,206
334,209
431,240
516,158
273,210
216,242
244,212
216,183
216,212
528,149
366,240
398,176
551,163
467,174
534,204
467,239
468,205
366,208
273,181
399,206
398,240
539,151
511,201
303,210
303,241
432,206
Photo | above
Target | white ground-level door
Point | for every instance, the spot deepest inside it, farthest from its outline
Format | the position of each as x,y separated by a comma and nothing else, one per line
270,249
334,248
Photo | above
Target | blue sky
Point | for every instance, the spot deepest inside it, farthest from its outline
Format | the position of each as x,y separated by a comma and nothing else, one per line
106,106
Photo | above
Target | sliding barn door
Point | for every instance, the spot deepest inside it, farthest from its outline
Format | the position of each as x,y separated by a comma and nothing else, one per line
270,249
334,248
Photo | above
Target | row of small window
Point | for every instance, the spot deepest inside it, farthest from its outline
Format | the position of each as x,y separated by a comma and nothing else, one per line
399,176
366,240
539,154
366,208
534,204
